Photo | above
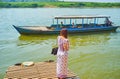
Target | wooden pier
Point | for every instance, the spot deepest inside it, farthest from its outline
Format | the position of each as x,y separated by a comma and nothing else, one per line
40,70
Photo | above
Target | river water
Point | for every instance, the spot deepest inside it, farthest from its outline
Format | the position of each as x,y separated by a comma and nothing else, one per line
91,56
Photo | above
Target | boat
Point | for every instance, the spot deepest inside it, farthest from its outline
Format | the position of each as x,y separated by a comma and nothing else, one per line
74,24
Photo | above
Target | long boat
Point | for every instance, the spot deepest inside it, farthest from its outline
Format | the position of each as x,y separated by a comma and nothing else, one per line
74,24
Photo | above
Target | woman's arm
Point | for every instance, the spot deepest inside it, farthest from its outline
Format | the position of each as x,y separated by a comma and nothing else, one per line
66,45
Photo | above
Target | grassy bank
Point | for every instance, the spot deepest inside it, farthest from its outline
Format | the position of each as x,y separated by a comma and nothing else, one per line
56,4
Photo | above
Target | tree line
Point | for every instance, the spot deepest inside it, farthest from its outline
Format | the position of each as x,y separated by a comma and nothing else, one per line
57,4
28,0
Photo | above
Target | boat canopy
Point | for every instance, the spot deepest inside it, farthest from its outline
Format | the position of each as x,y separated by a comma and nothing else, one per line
80,21
81,17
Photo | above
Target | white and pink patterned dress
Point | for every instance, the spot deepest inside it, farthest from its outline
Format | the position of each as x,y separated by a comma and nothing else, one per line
62,58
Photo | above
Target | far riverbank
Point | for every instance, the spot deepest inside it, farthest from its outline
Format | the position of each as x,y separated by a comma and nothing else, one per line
58,4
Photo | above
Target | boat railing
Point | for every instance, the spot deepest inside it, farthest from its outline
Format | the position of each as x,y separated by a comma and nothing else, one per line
59,25
90,25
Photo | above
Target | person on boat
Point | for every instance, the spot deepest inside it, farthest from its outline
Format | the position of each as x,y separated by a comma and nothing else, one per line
73,25
62,54
61,25
108,22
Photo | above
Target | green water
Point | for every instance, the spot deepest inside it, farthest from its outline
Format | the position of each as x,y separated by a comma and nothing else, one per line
96,56
91,56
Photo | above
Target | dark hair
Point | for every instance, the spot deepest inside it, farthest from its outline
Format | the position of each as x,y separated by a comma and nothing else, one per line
63,33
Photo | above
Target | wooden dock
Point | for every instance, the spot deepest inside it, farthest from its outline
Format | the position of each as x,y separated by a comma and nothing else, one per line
40,70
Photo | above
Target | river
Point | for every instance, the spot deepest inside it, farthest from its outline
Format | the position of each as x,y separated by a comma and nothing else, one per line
91,56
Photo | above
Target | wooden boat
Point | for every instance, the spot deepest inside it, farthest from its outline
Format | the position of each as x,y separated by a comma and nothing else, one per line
77,24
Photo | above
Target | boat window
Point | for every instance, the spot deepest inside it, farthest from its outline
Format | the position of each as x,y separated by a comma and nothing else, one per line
91,21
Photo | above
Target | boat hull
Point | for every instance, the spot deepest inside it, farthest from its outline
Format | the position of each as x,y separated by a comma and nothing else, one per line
27,31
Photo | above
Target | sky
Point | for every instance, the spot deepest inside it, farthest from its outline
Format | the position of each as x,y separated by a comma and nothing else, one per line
93,0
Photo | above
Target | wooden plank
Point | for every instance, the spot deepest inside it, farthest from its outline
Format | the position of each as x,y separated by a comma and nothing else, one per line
40,70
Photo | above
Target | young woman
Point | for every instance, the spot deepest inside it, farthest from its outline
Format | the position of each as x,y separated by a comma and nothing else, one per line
62,54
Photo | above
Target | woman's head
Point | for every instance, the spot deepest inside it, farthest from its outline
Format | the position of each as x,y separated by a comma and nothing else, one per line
63,32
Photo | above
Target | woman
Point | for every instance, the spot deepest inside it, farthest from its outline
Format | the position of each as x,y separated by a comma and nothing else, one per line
62,54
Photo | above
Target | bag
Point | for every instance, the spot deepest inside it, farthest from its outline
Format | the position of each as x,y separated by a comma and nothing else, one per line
54,50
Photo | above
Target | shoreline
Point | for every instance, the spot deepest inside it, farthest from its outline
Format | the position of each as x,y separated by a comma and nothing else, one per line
58,5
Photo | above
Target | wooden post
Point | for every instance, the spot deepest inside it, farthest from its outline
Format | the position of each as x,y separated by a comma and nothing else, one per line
70,21
94,22
82,22
57,23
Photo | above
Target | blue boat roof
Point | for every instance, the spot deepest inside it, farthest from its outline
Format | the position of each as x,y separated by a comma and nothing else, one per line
81,16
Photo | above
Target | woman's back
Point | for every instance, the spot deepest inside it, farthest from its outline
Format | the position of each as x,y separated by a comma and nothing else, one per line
61,42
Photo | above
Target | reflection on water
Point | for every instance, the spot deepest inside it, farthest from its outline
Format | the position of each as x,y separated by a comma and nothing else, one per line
75,39
89,39
35,39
